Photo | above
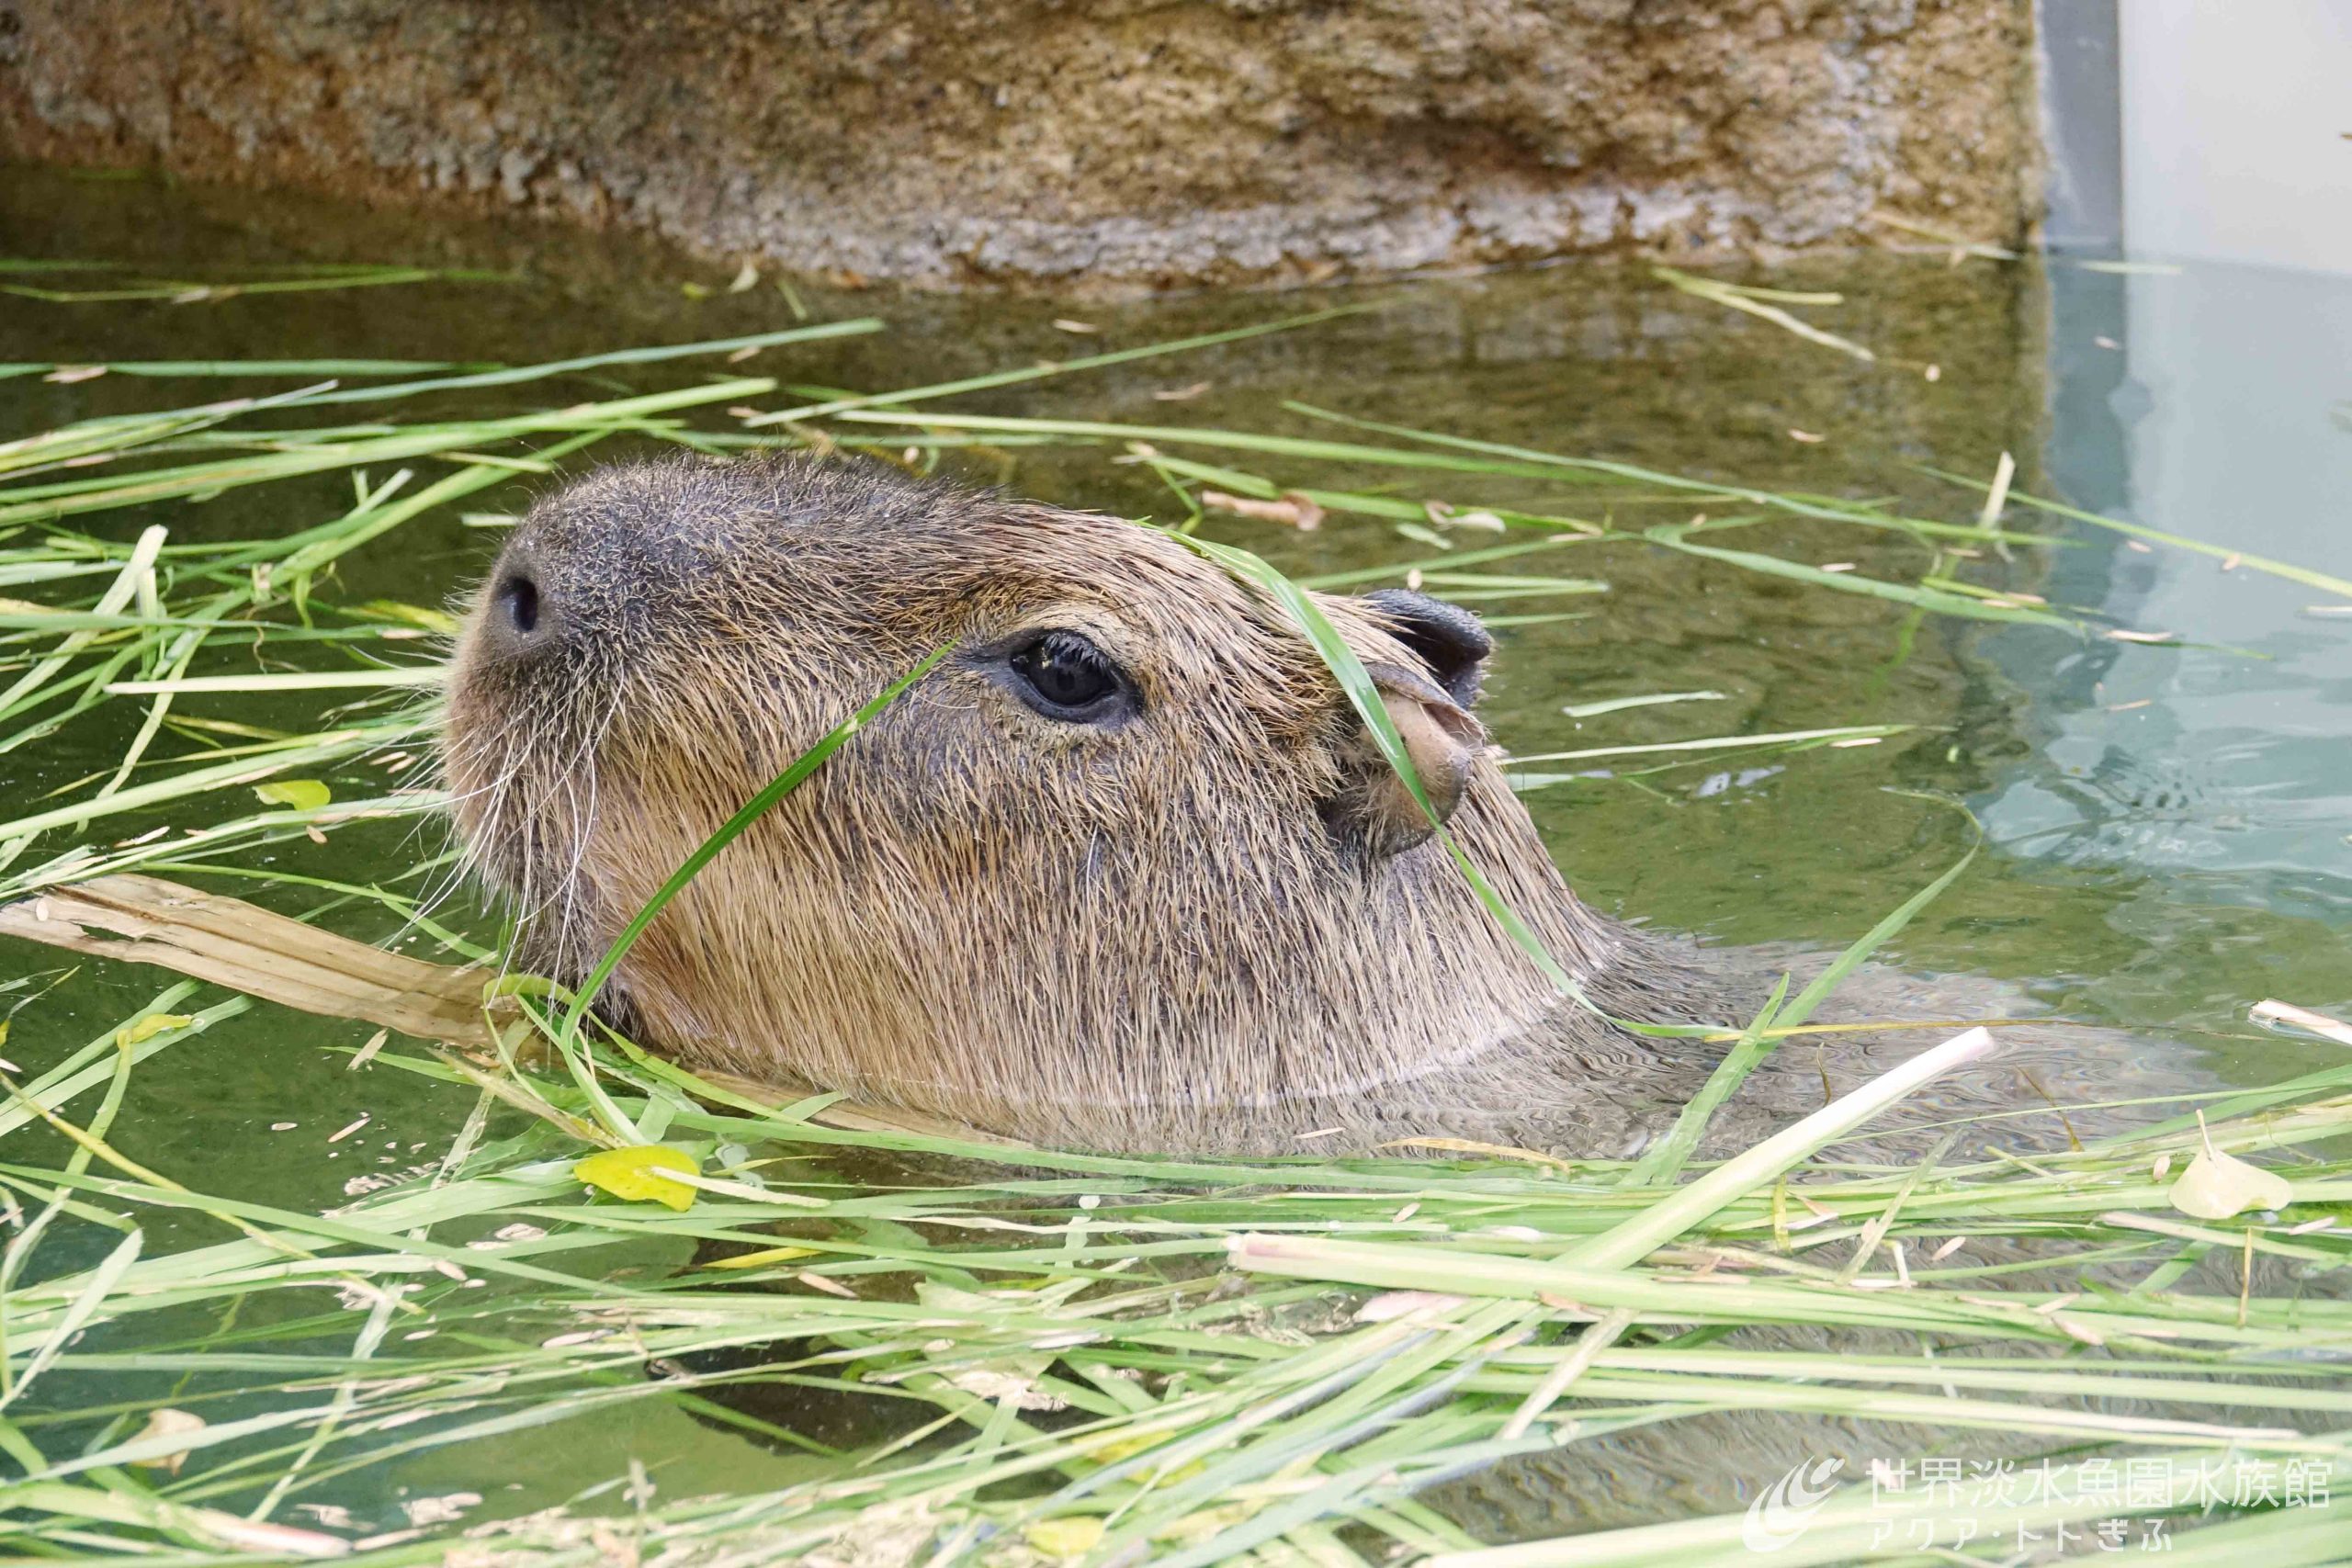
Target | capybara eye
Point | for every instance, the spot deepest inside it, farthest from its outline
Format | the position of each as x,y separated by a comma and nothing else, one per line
1064,676
520,598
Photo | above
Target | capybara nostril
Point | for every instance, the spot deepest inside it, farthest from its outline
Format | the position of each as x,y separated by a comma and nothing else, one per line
518,601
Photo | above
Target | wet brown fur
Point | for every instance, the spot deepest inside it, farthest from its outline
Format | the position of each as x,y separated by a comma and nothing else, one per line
1148,936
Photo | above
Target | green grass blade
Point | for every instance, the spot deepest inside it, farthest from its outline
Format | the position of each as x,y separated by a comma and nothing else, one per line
1365,699
514,374
1930,599
1662,1163
1046,372
2325,581
783,784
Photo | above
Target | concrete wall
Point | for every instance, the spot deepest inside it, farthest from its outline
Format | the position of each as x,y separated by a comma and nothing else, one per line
1135,142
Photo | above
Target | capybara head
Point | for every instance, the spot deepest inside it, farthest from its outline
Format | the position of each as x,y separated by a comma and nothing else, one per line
1125,861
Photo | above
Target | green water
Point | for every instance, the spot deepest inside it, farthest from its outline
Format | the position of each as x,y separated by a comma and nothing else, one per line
2171,827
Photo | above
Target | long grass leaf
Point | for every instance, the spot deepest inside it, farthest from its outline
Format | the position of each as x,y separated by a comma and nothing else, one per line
752,810
1664,1161
2325,581
512,375
99,1284
1028,373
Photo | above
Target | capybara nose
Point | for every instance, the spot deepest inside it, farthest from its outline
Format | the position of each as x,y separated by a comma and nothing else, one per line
519,617
518,601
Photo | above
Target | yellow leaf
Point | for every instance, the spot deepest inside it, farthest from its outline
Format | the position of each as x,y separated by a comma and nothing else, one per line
1126,1447
634,1174
2217,1185
1199,1526
302,795
147,1028
1117,1449
1064,1538
766,1254
1472,1146
437,621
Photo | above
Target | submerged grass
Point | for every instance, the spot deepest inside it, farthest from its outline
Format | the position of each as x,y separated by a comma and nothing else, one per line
1079,1358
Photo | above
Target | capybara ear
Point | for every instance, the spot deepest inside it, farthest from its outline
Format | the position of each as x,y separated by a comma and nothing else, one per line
1447,636
1373,810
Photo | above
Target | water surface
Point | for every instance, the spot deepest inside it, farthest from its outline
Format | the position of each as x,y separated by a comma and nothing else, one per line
2171,827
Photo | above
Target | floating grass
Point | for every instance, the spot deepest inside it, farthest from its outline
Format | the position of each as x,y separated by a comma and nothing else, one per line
1449,1373
184,291
1998,492
1092,1359
179,369
1765,304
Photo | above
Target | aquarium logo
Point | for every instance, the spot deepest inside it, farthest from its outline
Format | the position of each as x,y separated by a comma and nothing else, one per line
1785,1508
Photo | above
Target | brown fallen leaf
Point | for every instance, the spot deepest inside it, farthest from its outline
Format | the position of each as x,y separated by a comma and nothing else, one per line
2081,1333
169,1423
228,941
1472,1146
1292,508
249,949
1446,516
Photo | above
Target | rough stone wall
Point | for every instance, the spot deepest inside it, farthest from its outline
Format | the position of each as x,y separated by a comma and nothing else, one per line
1130,143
